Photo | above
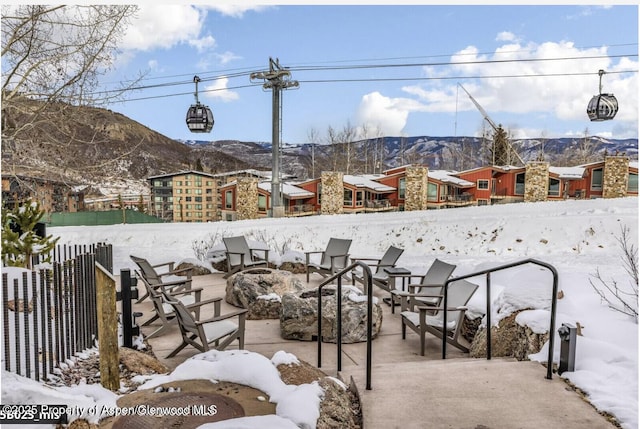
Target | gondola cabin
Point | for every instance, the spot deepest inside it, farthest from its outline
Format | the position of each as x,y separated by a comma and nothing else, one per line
602,107
199,118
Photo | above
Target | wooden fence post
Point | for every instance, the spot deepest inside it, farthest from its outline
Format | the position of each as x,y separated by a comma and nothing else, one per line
107,328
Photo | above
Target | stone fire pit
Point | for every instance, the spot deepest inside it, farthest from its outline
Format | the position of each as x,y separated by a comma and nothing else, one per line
299,317
260,290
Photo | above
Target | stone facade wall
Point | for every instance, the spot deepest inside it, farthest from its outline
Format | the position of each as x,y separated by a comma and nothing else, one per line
536,182
416,190
615,177
332,192
247,198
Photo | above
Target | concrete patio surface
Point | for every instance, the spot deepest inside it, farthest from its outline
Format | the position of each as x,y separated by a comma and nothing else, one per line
409,390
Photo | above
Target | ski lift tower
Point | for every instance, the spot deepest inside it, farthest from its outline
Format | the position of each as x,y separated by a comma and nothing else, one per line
276,79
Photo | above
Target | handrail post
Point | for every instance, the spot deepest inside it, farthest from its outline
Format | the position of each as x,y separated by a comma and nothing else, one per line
489,316
369,327
367,275
339,322
320,326
444,319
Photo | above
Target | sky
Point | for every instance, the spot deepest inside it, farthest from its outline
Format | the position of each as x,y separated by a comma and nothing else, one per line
577,237
381,69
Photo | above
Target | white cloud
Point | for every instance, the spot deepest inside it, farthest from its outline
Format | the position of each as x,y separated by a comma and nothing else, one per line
388,114
506,36
235,10
203,44
163,26
227,57
218,90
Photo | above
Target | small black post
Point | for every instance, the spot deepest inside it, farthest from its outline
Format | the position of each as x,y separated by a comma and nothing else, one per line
567,348
128,292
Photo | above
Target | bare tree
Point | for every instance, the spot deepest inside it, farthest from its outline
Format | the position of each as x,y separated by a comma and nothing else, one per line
619,298
52,59
314,138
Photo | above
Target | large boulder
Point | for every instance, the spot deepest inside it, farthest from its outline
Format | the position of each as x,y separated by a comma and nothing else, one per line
299,316
509,339
260,290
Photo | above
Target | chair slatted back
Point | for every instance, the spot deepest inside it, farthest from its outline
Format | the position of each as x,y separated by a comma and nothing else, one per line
458,295
437,274
186,321
237,245
389,258
336,247
147,271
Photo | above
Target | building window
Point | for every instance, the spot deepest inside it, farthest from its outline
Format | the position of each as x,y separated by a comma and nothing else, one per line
519,184
596,179
483,184
262,203
554,187
432,192
483,202
633,182
228,200
359,198
348,197
402,187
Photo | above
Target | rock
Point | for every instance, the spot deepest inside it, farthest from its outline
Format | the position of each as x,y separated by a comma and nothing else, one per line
196,270
260,290
140,363
294,267
509,339
298,319
336,407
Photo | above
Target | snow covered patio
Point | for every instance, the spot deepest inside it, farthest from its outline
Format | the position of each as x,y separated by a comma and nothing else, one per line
409,390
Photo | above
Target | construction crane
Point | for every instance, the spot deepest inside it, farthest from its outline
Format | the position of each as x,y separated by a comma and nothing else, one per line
490,121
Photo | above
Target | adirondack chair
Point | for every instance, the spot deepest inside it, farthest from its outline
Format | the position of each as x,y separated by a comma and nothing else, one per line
163,310
380,277
175,279
240,256
426,319
216,332
429,290
333,259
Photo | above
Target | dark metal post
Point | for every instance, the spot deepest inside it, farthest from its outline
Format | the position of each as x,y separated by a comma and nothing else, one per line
445,289
567,348
320,326
127,294
339,322
367,274
488,316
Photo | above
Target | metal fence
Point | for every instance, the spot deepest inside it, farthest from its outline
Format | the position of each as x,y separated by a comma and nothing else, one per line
49,315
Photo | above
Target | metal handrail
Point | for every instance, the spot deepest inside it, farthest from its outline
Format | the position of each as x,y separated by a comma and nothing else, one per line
554,299
369,285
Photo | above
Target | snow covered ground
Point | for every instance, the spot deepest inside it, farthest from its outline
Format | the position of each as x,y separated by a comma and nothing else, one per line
576,237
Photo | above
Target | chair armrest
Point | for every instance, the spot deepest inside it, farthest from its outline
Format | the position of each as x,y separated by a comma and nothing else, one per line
414,286
364,259
266,253
169,264
241,313
461,308
187,270
176,283
206,301
197,291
